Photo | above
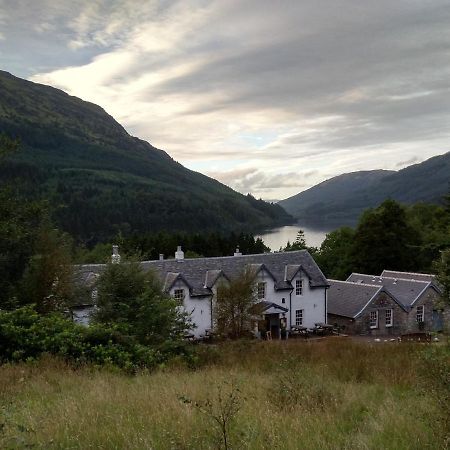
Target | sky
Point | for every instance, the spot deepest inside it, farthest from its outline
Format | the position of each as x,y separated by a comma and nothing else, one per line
269,97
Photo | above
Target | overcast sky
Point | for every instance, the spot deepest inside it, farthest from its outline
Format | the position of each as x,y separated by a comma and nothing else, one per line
269,97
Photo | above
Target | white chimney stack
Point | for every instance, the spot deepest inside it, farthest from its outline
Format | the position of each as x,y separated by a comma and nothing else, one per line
237,252
115,257
179,254
161,257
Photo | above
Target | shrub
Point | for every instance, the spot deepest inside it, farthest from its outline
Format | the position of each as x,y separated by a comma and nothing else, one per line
24,335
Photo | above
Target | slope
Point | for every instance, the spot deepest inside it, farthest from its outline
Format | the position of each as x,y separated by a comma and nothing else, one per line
340,200
100,180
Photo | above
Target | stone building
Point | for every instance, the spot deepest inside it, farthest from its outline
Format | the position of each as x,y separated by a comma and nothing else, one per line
393,303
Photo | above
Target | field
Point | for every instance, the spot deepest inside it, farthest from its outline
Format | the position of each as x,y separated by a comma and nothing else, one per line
330,394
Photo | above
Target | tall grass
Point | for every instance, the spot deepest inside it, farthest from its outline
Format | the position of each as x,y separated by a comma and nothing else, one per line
331,394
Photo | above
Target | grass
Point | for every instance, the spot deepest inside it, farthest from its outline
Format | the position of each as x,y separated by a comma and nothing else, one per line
332,394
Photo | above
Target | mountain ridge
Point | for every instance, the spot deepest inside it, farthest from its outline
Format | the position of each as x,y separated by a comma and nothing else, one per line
340,200
103,180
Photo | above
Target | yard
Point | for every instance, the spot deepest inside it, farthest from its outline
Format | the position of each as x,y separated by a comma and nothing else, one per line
329,394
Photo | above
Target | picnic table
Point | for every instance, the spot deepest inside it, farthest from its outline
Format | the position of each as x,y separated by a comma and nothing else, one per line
323,328
299,331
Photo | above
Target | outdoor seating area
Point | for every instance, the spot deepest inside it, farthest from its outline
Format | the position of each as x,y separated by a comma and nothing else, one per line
319,329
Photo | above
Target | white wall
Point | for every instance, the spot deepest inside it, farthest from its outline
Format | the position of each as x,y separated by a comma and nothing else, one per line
198,308
312,301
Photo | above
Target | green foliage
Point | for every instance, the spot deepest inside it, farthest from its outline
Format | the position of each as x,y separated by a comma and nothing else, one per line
7,145
48,278
19,220
392,237
233,302
133,300
335,256
299,244
150,245
384,239
442,267
25,334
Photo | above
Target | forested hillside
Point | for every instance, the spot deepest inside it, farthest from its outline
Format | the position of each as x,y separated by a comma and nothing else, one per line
340,200
99,180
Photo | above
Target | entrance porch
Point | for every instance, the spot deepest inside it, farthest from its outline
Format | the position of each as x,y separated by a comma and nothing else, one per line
269,320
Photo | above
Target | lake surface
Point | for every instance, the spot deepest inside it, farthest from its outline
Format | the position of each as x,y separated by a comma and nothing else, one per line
278,237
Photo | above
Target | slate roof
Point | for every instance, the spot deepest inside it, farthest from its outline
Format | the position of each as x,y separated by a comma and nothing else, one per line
408,275
198,273
348,299
261,307
404,290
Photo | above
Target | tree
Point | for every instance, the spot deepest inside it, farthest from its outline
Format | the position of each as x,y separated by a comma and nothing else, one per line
19,220
233,303
335,255
385,240
48,278
442,267
133,299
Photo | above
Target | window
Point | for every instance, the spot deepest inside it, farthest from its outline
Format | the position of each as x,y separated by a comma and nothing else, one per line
178,295
373,320
420,314
261,290
283,300
298,287
299,317
389,318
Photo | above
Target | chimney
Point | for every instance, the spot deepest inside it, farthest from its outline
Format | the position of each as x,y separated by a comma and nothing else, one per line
237,252
179,254
161,257
115,257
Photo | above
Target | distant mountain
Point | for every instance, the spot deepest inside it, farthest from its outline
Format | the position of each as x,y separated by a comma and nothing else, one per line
340,200
100,180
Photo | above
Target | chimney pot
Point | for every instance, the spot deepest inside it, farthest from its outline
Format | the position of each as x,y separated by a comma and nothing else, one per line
179,254
237,252
115,257
161,257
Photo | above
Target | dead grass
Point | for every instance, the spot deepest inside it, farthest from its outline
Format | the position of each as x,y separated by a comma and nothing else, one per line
333,394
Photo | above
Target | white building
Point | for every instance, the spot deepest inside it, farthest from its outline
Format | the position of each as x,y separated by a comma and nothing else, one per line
291,289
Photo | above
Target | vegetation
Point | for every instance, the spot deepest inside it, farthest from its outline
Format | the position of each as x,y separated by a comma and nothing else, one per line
100,181
332,394
342,199
150,245
442,267
26,335
232,309
133,301
390,236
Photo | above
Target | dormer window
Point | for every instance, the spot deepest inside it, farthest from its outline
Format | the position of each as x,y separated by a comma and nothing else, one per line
178,295
298,287
261,290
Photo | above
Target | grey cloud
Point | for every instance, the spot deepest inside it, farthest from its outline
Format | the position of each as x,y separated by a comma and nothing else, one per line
331,79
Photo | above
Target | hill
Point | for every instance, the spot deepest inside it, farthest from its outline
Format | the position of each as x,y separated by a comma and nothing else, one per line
340,200
100,180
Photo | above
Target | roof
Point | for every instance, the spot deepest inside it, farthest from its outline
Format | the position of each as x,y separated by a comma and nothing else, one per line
349,299
200,274
267,307
408,275
404,290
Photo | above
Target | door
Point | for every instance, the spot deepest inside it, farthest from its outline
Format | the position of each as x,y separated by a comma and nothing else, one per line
438,320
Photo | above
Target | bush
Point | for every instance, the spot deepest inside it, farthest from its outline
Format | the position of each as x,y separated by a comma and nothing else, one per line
24,335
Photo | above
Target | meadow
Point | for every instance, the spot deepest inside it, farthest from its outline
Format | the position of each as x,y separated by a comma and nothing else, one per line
329,394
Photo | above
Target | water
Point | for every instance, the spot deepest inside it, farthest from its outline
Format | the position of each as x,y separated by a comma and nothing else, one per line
278,237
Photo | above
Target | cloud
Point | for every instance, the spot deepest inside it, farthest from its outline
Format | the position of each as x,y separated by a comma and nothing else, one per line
257,93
